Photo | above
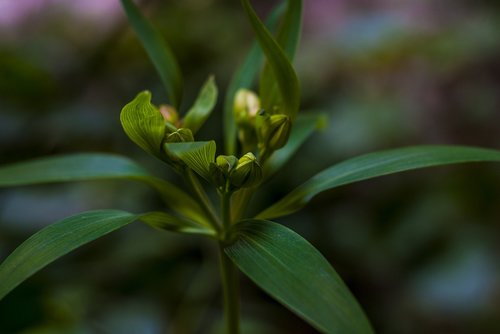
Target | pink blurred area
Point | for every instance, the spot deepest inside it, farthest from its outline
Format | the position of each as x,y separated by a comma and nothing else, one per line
14,13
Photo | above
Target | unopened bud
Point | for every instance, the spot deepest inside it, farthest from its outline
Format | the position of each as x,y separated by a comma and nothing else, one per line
169,114
279,131
248,172
179,136
246,105
221,169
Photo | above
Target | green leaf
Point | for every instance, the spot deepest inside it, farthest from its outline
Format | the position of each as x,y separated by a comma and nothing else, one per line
159,52
303,128
144,124
291,270
57,240
96,166
164,221
202,107
281,67
243,78
196,155
288,38
376,164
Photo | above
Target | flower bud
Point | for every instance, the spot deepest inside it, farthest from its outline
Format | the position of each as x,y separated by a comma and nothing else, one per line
279,131
246,105
221,169
247,173
179,136
169,114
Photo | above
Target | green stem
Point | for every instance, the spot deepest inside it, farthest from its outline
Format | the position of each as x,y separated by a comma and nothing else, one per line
202,197
229,273
231,293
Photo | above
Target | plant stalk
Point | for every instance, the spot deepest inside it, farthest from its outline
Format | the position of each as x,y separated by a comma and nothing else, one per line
229,272
202,197
230,289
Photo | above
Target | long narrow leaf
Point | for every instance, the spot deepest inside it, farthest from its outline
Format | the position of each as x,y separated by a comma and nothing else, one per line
291,270
288,38
281,67
57,240
374,165
96,166
202,107
164,221
159,52
244,78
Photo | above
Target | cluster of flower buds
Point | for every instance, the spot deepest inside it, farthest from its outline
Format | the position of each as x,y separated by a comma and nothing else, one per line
230,173
257,127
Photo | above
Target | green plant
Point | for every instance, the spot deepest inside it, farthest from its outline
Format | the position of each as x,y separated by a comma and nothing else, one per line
269,130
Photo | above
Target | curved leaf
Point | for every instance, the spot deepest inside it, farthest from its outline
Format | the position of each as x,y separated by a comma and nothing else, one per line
303,128
96,166
291,270
376,164
159,52
243,78
144,124
197,155
57,240
202,107
164,221
281,67
288,38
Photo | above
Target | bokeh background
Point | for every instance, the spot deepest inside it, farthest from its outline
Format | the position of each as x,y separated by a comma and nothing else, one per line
420,250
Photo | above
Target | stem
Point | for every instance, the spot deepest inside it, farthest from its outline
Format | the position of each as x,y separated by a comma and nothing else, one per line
231,293
229,272
203,198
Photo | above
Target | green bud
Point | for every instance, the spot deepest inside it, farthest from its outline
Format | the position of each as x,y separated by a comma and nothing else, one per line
279,131
273,131
179,136
246,105
247,173
221,169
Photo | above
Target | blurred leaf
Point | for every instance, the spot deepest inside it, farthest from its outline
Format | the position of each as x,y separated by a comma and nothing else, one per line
281,67
144,124
196,155
291,270
159,52
288,38
376,164
303,128
96,166
243,78
164,221
202,107
56,240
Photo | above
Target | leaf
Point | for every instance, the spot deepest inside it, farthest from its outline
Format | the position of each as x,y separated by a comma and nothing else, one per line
196,155
288,38
57,240
291,270
159,52
202,107
303,128
376,164
164,221
96,166
243,78
281,67
144,124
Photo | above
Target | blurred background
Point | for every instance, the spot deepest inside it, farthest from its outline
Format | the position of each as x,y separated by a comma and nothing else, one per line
420,250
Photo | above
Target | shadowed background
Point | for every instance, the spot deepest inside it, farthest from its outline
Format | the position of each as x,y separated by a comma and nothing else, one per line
419,250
